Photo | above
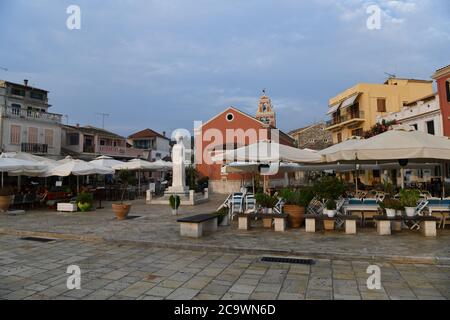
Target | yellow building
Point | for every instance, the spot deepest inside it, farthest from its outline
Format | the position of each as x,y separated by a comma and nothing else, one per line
356,109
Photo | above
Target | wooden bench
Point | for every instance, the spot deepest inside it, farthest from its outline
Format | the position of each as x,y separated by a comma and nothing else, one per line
195,226
280,220
427,224
328,222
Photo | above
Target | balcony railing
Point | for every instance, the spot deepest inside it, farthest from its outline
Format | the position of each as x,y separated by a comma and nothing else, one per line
346,117
31,114
120,151
34,148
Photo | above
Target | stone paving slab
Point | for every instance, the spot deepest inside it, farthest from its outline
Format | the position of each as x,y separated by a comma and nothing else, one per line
124,272
158,227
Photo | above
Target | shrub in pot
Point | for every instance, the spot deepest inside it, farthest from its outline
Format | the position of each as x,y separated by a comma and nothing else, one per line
122,209
408,199
329,188
390,206
295,203
174,201
330,208
5,198
266,201
84,201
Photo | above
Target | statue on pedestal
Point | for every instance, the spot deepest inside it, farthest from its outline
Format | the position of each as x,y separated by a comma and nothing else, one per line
178,173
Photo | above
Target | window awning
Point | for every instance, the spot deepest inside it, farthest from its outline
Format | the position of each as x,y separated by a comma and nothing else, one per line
334,108
349,101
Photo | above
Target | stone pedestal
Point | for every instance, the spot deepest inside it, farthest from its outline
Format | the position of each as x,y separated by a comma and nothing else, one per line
280,224
350,226
243,223
310,225
384,227
428,228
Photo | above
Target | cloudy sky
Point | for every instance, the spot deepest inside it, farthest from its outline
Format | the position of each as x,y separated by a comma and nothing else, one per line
165,63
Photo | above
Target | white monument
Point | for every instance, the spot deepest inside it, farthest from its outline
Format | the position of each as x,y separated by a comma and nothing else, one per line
178,173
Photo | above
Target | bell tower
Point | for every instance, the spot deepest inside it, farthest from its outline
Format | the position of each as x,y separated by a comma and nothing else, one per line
265,112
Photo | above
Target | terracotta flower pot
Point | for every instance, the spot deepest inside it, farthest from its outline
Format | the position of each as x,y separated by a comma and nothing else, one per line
296,215
267,223
121,210
5,201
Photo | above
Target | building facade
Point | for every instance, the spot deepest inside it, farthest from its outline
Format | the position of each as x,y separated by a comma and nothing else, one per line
314,137
25,123
423,114
88,142
154,145
357,109
442,77
228,130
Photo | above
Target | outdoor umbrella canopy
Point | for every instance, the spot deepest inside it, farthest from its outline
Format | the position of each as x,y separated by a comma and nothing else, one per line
105,161
18,165
135,164
79,168
267,152
254,167
164,165
401,142
44,171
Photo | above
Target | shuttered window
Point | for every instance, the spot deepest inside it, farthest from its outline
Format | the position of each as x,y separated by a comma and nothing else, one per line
381,105
15,134
48,133
32,135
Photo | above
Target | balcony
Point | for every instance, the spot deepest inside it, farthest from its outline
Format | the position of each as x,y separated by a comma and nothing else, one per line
120,151
38,148
30,114
349,118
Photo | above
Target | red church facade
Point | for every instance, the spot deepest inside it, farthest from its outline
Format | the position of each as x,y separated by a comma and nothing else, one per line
230,129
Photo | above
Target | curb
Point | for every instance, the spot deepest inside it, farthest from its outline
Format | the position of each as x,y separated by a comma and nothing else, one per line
256,251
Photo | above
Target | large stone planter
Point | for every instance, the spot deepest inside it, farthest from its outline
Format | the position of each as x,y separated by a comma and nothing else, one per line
121,210
296,215
5,201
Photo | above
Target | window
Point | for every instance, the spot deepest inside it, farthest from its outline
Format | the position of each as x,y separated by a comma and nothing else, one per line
37,95
18,92
339,137
32,135
48,134
230,117
430,127
102,142
447,88
15,134
381,105
73,139
16,109
376,173
357,132
415,126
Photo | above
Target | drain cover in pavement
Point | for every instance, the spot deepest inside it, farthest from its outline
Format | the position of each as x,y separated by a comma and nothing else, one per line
288,260
37,239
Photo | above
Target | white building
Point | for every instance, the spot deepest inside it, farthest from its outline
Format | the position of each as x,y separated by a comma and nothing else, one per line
155,145
423,114
25,123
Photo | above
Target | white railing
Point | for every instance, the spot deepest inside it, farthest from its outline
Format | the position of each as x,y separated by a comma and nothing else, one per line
31,114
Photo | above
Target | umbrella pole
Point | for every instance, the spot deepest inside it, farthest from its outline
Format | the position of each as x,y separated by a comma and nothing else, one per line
139,184
78,185
2,179
443,179
402,175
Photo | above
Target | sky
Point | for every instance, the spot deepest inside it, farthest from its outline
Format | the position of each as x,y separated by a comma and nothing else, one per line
163,64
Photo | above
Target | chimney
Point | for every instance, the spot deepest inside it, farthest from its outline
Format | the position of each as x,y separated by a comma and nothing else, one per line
164,133
25,82
78,125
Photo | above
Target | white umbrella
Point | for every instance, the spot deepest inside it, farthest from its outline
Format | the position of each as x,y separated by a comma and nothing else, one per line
164,165
79,168
267,152
45,171
17,165
105,161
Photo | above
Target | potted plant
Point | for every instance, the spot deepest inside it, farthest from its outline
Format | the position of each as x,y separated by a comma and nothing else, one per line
408,199
266,201
222,216
330,208
174,201
84,201
122,209
295,203
5,198
390,207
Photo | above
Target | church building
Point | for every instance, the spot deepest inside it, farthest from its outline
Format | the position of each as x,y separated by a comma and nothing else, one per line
247,129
